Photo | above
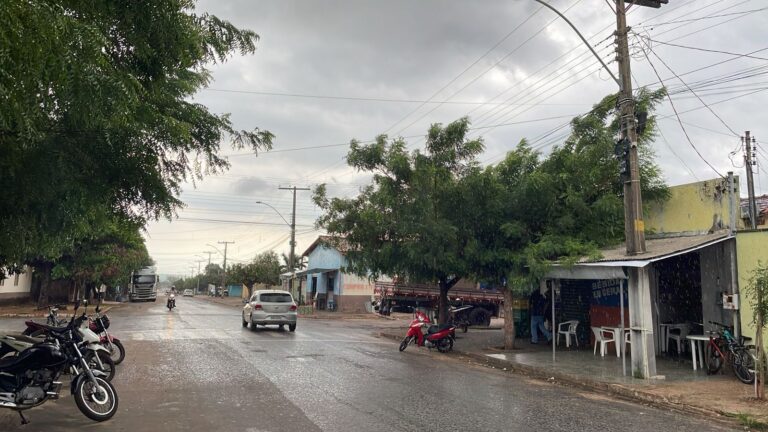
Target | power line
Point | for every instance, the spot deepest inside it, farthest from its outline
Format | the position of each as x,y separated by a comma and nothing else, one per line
677,115
692,20
702,49
691,90
358,98
508,35
238,222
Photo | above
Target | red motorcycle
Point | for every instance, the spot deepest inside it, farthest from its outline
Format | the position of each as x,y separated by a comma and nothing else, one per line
440,337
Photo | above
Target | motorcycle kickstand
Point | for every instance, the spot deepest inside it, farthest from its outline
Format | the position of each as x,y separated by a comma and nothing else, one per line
24,420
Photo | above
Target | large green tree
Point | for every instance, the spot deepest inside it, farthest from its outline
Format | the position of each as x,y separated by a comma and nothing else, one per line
264,268
114,249
96,111
561,207
412,222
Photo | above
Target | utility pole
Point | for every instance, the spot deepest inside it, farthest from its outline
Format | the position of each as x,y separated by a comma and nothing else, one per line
749,162
198,274
291,257
634,227
209,256
224,274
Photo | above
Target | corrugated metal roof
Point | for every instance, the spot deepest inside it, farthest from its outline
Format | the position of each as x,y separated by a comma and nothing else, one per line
660,248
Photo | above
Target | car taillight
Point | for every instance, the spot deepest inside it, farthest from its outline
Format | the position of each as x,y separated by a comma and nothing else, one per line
257,306
293,307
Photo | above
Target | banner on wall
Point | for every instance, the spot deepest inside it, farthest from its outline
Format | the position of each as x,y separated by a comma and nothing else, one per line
606,293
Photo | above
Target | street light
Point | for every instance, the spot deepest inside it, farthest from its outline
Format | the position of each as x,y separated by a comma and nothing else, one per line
278,213
292,225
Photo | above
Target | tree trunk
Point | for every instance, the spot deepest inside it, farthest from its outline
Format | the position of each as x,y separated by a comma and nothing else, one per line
45,286
509,320
442,304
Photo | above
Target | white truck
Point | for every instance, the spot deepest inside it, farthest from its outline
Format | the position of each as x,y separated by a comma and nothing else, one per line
143,285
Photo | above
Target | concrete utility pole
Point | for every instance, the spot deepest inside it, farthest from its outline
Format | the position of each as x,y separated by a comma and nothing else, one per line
292,256
198,274
224,274
634,227
749,162
209,256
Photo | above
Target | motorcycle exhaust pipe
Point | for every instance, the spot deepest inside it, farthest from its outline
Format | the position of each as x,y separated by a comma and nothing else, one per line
8,405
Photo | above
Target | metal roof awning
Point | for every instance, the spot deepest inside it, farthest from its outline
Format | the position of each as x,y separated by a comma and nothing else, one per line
610,267
315,270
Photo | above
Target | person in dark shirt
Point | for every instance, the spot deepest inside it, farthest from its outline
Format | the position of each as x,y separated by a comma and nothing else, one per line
538,308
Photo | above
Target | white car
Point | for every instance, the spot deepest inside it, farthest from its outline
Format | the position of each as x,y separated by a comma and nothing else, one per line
270,307
188,293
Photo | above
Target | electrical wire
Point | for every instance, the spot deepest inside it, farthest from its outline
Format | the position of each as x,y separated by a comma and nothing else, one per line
703,49
693,92
677,115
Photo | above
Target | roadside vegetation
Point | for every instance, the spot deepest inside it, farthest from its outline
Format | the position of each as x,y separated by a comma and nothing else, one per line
437,215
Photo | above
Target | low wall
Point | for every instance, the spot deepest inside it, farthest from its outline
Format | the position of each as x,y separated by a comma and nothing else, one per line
352,303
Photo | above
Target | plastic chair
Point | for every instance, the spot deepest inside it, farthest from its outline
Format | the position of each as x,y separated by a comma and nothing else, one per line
678,337
568,329
602,339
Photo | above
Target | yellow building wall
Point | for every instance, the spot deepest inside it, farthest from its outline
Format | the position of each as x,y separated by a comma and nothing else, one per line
693,207
751,248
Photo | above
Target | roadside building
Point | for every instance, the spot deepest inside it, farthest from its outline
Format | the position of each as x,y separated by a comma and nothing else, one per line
658,301
16,286
326,285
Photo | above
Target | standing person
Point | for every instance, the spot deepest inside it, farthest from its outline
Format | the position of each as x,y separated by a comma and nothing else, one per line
538,305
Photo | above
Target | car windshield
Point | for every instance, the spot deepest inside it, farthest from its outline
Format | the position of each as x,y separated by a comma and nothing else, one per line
276,298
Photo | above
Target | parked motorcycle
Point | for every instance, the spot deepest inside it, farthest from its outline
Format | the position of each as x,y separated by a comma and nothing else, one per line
99,324
171,303
459,317
97,356
31,378
440,337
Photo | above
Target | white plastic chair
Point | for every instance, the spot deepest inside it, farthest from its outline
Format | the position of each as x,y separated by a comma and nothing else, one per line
602,339
678,337
568,329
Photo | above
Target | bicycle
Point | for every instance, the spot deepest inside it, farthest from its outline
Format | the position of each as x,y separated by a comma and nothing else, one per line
724,348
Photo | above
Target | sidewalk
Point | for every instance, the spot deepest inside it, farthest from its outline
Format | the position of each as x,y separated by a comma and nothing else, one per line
718,396
30,310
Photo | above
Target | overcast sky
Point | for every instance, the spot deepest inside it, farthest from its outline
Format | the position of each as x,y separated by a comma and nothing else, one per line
328,71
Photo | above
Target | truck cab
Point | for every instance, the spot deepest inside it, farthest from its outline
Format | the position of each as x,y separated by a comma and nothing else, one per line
143,285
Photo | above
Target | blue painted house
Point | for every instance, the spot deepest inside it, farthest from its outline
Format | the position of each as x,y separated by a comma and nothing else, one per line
326,285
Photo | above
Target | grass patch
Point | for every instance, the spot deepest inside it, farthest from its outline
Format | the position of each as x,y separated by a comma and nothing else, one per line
750,422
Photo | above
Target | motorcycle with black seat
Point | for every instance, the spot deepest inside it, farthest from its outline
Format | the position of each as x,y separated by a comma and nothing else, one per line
31,378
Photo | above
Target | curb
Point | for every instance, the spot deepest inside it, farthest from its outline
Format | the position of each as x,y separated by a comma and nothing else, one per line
44,315
617,390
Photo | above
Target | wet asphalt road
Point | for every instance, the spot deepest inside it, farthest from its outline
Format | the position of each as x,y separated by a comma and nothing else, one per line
196,369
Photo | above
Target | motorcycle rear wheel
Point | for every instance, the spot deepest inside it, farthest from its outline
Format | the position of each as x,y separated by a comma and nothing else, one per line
97,404
404,343
445,345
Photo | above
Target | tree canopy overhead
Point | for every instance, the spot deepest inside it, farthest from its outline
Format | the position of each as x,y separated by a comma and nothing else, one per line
408,222
96,113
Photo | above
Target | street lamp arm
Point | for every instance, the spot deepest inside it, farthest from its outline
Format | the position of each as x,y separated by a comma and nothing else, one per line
275,210
217,249
582,39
